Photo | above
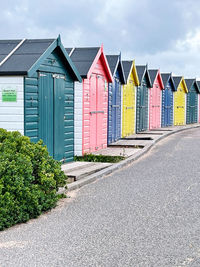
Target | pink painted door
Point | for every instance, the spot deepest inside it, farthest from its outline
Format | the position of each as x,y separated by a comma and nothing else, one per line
100,114
155,107
93,114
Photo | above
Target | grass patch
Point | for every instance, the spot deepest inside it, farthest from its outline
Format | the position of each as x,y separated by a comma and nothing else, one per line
99,158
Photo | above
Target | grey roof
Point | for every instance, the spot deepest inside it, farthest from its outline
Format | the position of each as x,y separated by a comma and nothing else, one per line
198,83
140,71
166,77
115,63
127,68
152,74
24,57
112,62
190,82
177,80
83,58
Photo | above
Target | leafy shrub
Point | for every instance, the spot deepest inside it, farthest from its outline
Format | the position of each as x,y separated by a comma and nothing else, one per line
99,158
29,179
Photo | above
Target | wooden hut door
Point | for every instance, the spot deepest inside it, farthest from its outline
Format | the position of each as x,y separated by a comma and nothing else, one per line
179,99
154,116
100,112
93,112
46,116
51,113
59,118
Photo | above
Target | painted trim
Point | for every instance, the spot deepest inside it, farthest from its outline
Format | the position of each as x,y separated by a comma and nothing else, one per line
56,43
105,63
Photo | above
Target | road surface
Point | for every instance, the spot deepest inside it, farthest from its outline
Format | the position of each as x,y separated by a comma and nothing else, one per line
147,214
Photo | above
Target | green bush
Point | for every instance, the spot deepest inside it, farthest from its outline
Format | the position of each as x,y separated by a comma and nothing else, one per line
29,179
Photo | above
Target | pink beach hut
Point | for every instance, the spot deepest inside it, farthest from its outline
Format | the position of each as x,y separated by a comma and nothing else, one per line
155,98
91,99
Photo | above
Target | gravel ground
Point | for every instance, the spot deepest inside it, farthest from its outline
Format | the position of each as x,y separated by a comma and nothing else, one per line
147,214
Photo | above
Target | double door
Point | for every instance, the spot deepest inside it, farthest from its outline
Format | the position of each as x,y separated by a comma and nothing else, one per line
167,106
128,123
155,110
51,113
98,112
192,107
179,107
142,108
115,112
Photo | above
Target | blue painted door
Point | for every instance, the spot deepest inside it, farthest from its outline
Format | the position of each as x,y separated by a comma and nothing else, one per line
114,111
51,113
167,106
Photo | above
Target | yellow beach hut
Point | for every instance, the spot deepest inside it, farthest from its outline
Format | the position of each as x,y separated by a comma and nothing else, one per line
129,98
180,100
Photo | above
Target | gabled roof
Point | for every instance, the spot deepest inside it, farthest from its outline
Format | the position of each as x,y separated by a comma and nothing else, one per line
190,83
198,83
129,66
178,80
114,62
166,77
85,58
153,74
22,57
156,74
141,71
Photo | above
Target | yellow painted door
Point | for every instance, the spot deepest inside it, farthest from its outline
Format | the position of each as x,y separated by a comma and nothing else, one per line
179,106
128,111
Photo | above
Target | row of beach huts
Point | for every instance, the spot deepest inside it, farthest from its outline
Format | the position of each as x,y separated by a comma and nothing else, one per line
79,100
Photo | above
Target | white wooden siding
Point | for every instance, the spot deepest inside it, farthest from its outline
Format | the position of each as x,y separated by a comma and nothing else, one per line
12,113
78,118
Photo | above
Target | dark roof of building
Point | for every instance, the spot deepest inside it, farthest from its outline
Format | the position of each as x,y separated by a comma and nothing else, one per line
115,64
190,82
127,68
112,62
166,77
24,57
140,71
152,74
177,80
198,83
83,58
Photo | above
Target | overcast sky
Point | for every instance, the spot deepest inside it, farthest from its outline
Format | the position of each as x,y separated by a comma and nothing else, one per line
164,33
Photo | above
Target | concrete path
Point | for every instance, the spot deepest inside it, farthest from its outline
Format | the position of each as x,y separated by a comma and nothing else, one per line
147,214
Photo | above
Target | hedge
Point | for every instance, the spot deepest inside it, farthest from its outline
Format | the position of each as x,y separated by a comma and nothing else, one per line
29,179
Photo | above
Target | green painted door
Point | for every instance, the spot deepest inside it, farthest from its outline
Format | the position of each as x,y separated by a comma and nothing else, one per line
46,114
59,87
51,113
142,107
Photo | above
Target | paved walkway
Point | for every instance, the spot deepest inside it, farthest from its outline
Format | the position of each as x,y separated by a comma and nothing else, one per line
147,214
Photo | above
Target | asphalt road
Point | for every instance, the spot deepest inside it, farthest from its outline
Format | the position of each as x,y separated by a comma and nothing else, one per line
147,214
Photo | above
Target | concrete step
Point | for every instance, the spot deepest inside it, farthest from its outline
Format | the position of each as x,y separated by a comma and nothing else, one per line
130,143
84,169
117,151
